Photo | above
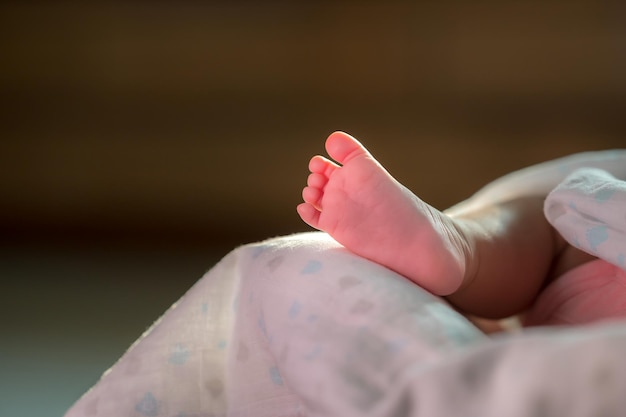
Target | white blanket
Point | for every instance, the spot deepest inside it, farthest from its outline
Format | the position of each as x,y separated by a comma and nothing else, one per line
299,326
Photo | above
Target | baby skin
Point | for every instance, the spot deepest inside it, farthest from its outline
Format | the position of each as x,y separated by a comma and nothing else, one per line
365,209
484,261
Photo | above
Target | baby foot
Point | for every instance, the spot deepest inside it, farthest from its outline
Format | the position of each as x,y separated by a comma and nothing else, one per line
365,209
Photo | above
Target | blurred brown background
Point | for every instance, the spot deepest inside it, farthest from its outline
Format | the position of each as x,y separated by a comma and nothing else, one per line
140,141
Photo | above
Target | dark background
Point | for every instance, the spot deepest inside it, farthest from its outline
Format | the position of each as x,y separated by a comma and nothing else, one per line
141,141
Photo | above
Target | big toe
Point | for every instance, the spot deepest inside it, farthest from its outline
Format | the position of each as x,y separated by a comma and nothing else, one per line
343,147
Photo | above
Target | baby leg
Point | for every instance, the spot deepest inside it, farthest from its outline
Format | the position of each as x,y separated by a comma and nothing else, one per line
490,261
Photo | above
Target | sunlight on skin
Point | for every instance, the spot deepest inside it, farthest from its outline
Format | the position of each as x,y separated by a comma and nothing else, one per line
358,203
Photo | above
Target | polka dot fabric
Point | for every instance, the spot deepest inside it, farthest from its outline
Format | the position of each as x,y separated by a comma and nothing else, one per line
298,326
589,210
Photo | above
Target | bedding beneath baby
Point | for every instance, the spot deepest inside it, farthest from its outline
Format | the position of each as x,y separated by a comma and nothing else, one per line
299,326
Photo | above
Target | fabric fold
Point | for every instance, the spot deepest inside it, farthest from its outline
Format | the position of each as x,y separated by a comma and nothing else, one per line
589,210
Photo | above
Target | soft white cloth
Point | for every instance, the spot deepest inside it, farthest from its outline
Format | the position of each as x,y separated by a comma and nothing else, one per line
589,210
299,326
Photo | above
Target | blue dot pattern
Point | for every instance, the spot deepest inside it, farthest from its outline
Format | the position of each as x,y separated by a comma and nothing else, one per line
148,406
179,355
275,376
294,310
312,267
589,210
596,236
261,324
604,194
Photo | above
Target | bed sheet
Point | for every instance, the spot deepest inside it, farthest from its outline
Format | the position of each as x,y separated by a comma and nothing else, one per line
298,326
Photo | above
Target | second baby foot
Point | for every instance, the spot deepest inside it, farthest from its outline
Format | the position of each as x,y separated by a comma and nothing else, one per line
358,203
